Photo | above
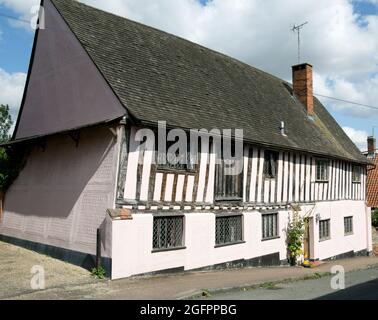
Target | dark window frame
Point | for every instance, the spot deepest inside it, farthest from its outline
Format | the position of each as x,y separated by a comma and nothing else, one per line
356,173
190,166
227,187
348,225
319,176
164,239
270,169
270,231
324,234
223,237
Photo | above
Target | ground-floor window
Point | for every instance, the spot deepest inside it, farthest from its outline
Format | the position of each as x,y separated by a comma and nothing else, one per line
168,232
229,229
324,229
348,225
269,226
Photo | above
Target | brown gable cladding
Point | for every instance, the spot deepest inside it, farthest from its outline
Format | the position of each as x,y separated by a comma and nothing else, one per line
158,76
372,184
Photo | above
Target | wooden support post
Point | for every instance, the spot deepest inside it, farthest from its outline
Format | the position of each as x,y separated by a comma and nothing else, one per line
98,249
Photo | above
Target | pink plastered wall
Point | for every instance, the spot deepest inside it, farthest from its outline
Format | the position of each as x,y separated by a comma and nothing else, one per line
61,196
132,244
339,243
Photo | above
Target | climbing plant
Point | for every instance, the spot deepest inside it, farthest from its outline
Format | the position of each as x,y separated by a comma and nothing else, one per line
295,235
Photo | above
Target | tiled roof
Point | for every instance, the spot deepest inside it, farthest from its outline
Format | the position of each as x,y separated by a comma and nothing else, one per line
158,76
372,185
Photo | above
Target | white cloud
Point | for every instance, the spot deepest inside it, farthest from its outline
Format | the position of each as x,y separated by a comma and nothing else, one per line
25,9
359,137
12,87
341,45
21,7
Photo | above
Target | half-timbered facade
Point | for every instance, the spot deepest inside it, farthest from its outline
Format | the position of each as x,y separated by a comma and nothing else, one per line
91,93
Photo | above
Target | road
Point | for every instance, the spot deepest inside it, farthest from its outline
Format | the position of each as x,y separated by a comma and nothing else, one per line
361,284
66,281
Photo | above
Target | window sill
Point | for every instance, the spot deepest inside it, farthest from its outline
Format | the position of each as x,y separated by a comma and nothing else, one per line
348,234
223,199
271,238
321,181
228,244
325,239
173,170
356,182
167,249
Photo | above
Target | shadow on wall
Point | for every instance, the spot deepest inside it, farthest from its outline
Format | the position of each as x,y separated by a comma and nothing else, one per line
54,177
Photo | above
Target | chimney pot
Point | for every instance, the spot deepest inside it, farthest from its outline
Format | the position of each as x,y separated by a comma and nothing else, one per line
371,142
303,86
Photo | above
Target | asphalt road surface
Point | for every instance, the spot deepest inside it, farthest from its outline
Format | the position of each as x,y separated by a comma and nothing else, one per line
359,285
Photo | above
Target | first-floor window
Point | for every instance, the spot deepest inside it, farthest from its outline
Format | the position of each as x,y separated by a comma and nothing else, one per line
228,176
348,225
168,232
324,229
270,164
269,226
356,174
229,229
322,170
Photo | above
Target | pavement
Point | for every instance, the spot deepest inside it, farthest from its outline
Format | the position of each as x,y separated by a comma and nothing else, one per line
66,281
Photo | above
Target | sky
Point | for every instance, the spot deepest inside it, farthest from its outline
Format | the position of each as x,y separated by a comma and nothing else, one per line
340,41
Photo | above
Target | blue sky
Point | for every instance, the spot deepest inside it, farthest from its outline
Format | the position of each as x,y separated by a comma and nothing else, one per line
16,44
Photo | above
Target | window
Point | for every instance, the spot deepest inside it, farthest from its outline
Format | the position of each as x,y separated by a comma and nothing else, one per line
324,229
270,164
269,226
348,225
228,230
176,161
168,232
356,174
322,170
229,186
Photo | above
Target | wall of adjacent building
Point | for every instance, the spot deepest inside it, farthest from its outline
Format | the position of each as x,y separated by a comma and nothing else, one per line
61,196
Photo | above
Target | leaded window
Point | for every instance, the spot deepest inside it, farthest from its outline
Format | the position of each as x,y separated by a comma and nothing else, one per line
270,226
356,174
324,229
229,178
270,164
322,167
173,159
168,232
229,229
348,225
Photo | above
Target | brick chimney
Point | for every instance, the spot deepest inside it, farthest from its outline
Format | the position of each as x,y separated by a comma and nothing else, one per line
302,86
371,144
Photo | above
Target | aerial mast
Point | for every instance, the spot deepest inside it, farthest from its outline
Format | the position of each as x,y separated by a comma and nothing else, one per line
297,28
